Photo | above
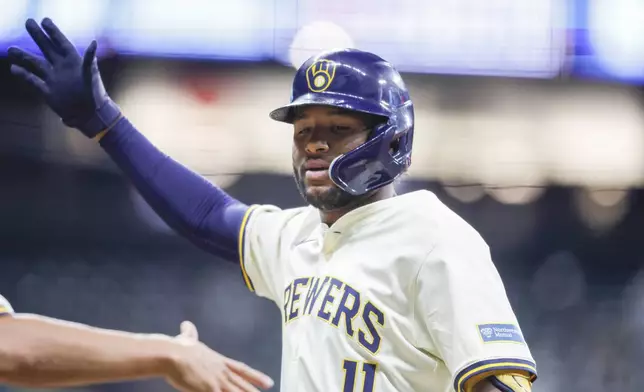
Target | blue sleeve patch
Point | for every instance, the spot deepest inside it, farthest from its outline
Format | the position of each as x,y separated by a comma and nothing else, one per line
500,333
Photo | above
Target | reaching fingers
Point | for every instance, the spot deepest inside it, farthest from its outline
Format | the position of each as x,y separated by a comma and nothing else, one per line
57,37
30,78
254,376
240,383
40,38
214,385
33,64
217,388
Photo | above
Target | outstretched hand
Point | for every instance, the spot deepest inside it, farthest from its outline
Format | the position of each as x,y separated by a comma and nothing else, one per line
70,83
200,369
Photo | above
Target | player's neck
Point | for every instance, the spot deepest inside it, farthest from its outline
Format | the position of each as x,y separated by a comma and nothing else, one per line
329,217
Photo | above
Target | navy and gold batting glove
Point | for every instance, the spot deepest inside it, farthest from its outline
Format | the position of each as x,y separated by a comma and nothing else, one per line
511,383
70,84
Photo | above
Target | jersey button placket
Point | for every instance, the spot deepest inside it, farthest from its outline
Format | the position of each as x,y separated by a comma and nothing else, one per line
330,243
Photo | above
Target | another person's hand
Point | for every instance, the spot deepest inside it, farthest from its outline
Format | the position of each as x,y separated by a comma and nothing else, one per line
200,369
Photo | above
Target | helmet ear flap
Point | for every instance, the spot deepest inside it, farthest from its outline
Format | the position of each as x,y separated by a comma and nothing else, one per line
394,146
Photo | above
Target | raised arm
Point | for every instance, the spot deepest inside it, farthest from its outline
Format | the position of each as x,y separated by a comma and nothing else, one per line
186,201
72,86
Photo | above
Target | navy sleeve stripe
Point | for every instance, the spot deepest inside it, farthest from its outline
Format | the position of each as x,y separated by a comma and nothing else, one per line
493,365
242,240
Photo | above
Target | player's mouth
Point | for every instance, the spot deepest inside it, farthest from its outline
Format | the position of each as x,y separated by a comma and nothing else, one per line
316,169
316,174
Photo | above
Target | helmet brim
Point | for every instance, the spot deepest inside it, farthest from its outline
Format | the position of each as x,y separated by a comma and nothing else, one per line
343,101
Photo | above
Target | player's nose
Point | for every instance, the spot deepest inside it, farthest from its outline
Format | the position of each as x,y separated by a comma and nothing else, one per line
316,147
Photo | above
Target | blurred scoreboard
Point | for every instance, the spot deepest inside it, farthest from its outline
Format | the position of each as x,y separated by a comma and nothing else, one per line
609,40
536,38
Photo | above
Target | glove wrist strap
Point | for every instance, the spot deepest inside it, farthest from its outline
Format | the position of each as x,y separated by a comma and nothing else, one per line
104,118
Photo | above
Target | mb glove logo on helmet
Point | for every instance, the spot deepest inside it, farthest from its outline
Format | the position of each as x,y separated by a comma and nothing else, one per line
320,75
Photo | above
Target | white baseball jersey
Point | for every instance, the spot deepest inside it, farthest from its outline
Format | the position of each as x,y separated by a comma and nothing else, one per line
398,295
5,306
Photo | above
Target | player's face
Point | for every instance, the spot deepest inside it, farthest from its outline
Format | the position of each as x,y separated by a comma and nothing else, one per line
320,135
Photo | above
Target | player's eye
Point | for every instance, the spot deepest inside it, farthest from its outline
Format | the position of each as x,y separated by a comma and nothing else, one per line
341,129
303,131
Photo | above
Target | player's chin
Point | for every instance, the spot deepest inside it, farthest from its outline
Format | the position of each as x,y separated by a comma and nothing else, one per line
317,181
319,190
327,197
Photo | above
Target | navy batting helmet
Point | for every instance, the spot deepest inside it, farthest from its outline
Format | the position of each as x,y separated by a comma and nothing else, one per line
360,81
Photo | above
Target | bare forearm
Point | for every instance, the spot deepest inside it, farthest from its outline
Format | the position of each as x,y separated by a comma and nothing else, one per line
41,352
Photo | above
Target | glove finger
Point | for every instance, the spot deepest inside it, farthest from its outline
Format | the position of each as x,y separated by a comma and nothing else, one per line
88,59
30,78
59,39
33,64
40,38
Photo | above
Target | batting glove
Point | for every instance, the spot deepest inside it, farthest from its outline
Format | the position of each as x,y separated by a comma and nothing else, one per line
70,84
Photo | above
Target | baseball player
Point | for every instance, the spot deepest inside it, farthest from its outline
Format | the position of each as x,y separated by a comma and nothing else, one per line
377,291
42,352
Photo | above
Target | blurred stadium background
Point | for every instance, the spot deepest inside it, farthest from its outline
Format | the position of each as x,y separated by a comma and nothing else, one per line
530,124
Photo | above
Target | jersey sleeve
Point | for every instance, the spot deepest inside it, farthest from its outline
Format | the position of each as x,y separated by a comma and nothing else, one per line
263,242
5,307
465,315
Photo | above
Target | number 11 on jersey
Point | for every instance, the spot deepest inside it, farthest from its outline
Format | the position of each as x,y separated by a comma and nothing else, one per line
368,374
